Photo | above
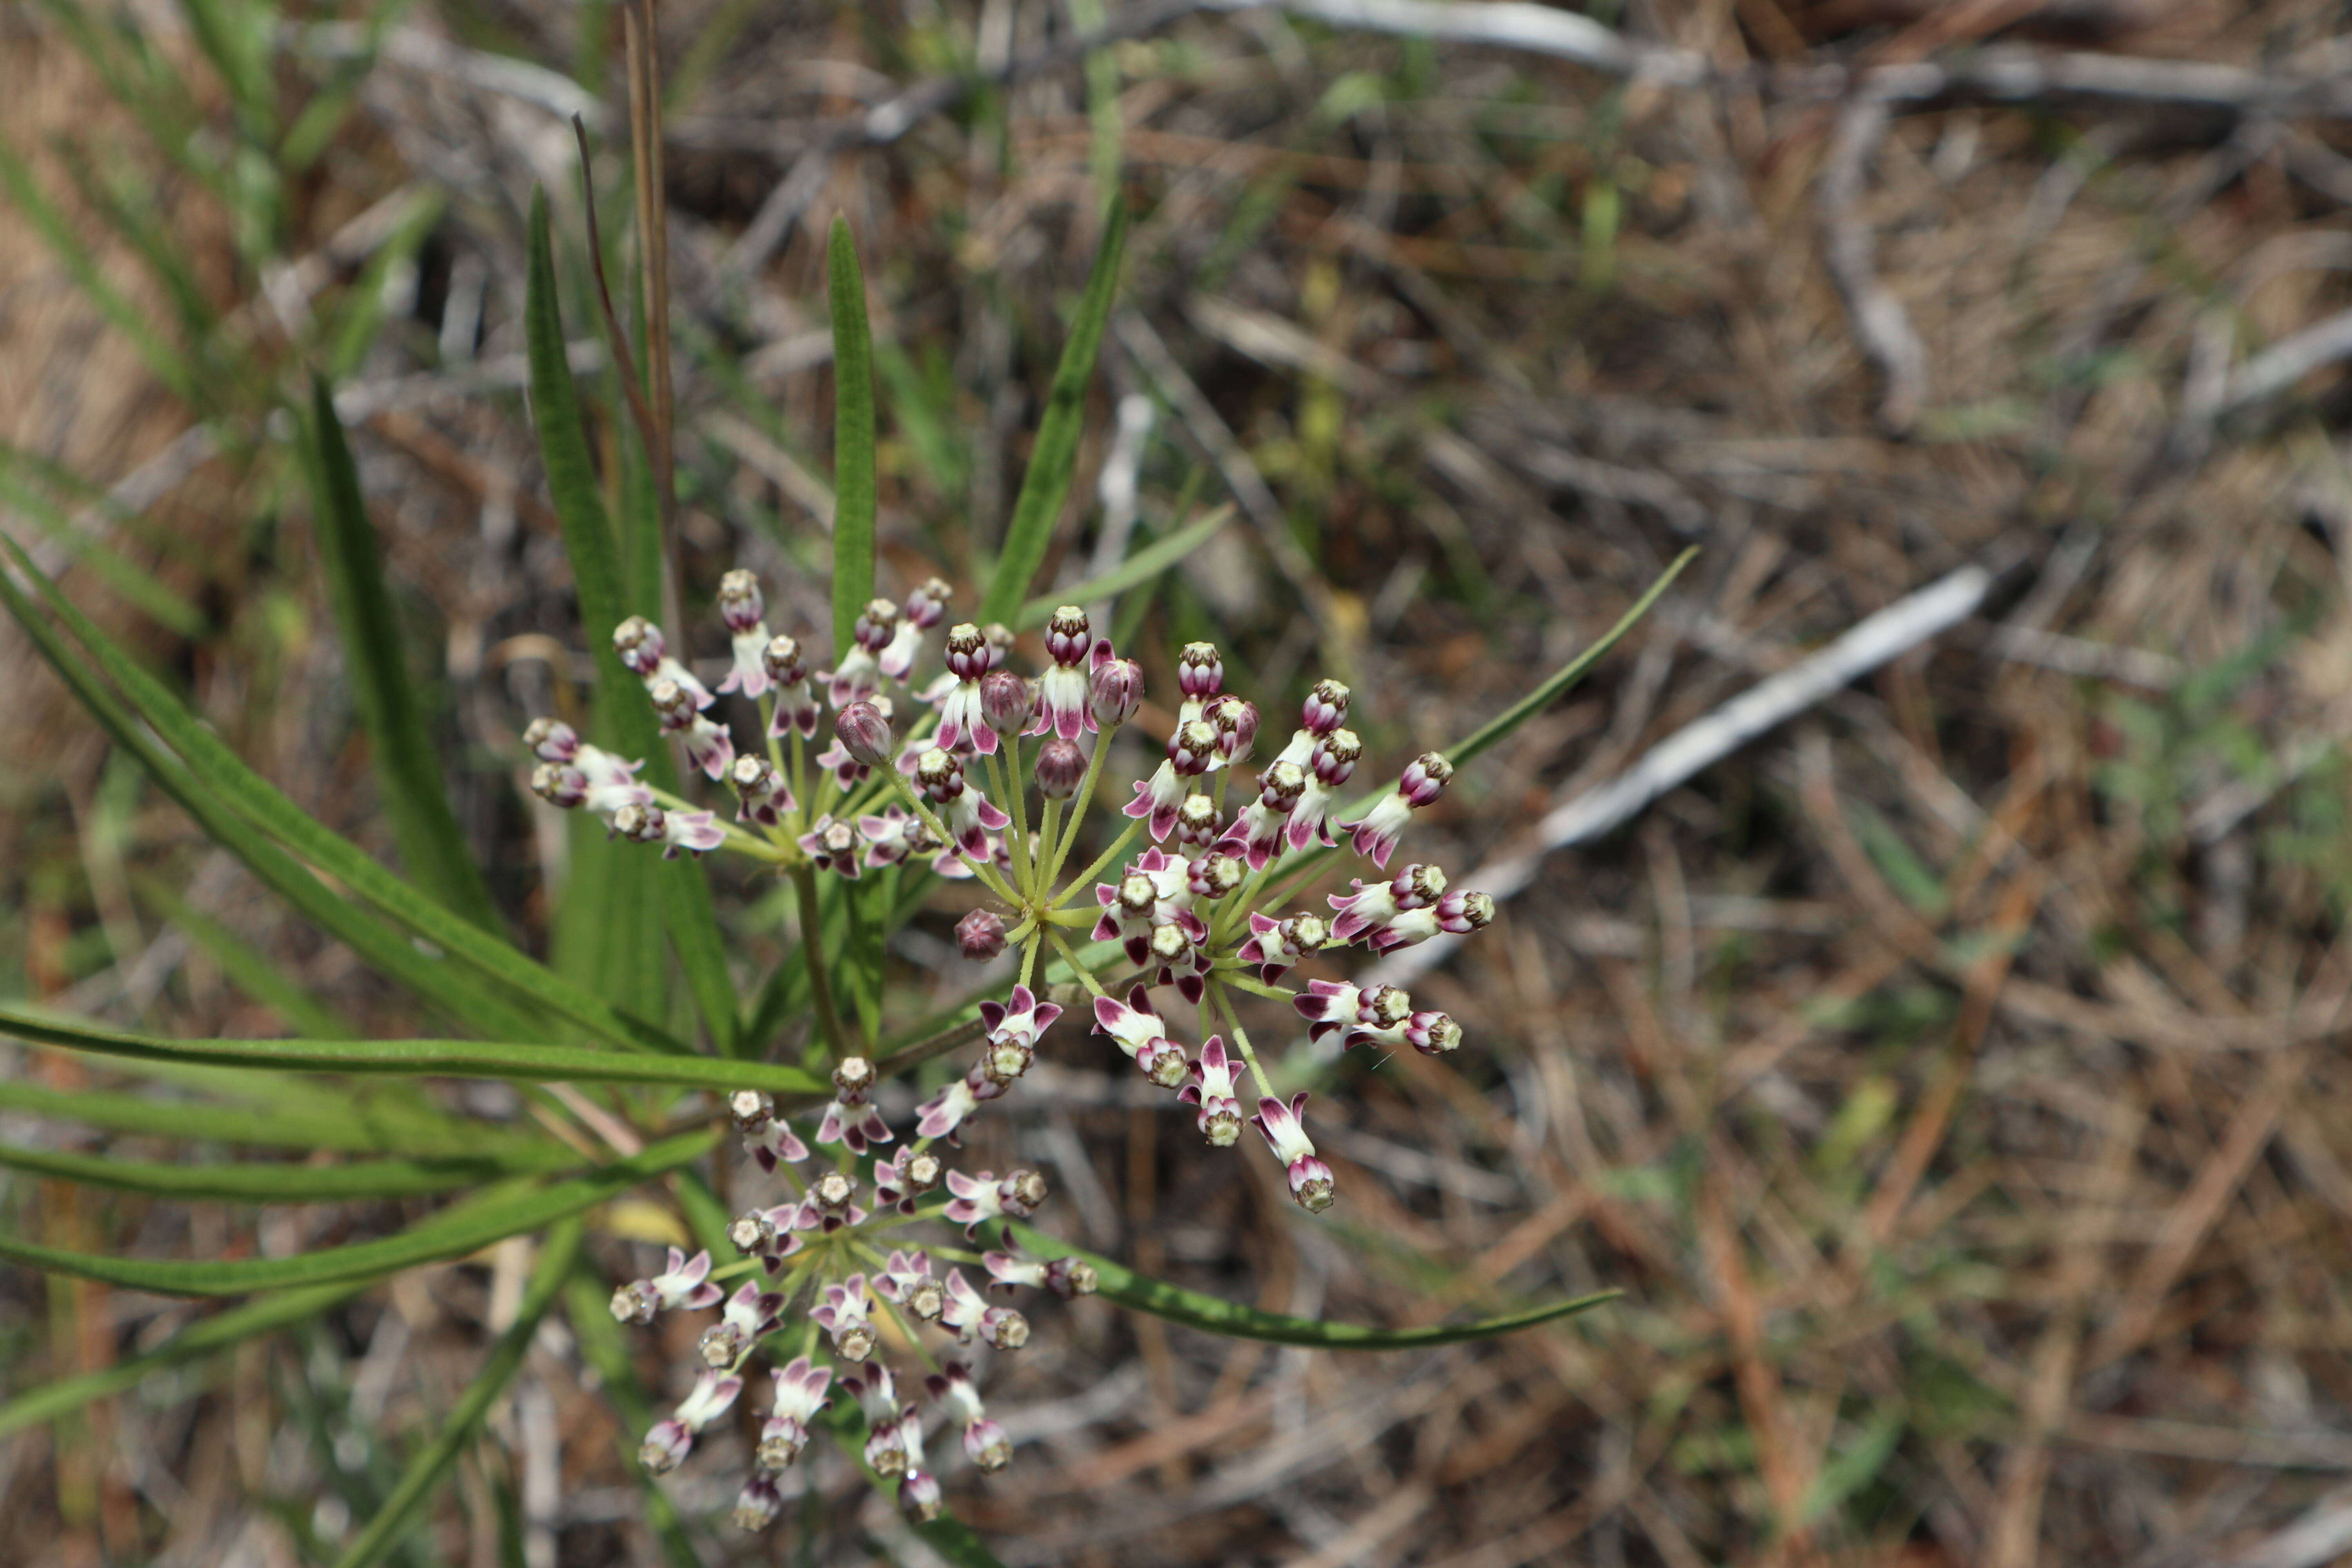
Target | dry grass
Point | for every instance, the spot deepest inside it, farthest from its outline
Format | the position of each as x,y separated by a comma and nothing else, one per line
1949,1079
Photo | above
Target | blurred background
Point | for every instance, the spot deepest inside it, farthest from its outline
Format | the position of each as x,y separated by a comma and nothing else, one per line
1951,1076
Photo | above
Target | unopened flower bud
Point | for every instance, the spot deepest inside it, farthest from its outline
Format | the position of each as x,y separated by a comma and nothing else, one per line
1200,670
739,603
980,935
1068,635
1116,689
784,662
1061,767
865,735
1005,702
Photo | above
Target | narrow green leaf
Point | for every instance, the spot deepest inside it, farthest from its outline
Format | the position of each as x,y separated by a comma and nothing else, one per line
259,802
168,364
1053,462
427,1470
853,437
1498,729
452,1234
450,1058
356,1132
1218,1316
209,1337
455,991
1136,570
138,587
246,968
625,720
261,1183
399,741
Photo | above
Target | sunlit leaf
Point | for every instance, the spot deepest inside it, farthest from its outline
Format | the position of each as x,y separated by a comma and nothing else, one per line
278,1182
1136,570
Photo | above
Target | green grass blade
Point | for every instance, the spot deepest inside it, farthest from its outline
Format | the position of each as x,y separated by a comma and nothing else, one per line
138,587
589,542
1135,571
853,437
1053,462
168,364
246,968
217,1333
446,1058
431,844
430,1466
454,991
1218,1316
259,1184
359,1133
1500,728
453,1234
226,777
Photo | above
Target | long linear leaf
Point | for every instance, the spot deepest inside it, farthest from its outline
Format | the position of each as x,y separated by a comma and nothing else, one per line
1137,569
168,364
590,544
1500,727
458,992
427,1470
431,844
109,565
452,1058
451,1235
209,1123
1232,1318
213,1335
213,765
853,436
1053,462
279,1183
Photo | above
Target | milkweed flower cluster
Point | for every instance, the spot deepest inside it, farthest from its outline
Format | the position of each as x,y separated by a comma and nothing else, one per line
981,775
830,1273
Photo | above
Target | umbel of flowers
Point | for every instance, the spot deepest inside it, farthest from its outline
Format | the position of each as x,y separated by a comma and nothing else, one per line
982,773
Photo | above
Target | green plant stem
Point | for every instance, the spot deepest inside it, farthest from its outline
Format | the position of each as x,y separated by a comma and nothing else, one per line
1069,956
828,1021
738,840
986,872
1085,799
1049,834
1025,873
1079,882
1241,1037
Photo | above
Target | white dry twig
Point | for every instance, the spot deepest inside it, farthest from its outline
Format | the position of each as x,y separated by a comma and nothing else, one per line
1879,319
1895,630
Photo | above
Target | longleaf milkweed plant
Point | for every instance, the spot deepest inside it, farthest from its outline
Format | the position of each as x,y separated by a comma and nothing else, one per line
867,767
